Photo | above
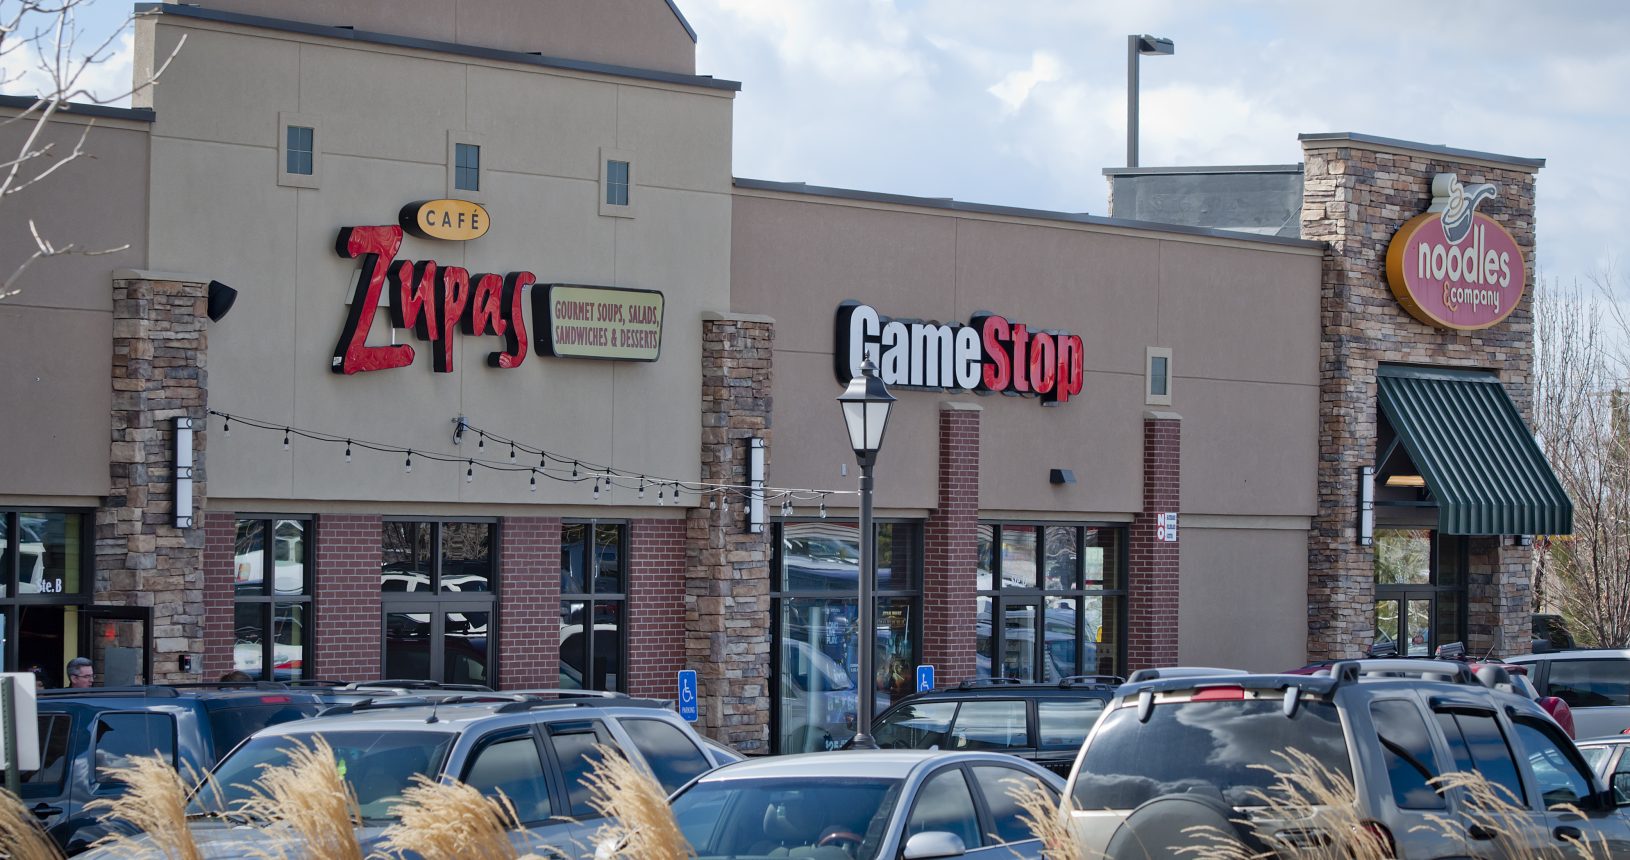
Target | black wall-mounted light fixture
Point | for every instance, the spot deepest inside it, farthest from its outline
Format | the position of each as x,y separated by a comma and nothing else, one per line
1061,476
221,298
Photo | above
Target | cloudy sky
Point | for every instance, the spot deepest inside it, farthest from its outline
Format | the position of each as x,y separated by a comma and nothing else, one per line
1022,102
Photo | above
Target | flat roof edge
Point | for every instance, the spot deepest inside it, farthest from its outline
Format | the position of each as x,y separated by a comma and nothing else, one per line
1203,169
1427,148
370,37
949,204
81,108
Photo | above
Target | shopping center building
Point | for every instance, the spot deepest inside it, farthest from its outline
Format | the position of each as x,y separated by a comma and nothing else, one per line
511,349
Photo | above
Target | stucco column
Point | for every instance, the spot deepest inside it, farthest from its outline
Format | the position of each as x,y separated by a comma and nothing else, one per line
142,558
727,575
1152,577
951,548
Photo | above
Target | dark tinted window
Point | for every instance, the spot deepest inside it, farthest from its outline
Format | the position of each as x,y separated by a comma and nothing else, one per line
995,725
786,816
1406,746
1205,746
1478,745
1066,722
1000,785
53,750
916,727
943,803
1559,778
511,767
1590,683
121,737
574,749
671,755
231,725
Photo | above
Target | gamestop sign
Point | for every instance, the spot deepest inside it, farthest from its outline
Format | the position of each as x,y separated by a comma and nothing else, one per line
988,354
1452,266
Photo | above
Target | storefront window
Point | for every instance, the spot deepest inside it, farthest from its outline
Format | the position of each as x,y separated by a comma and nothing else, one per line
44,566
1065,622
271,617
1419,590
818,640
437,581
592,603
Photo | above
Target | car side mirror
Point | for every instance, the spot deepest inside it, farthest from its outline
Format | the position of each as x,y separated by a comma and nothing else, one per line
933,843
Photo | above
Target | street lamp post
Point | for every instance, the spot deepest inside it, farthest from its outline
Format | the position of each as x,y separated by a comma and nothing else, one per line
1135,46
866,405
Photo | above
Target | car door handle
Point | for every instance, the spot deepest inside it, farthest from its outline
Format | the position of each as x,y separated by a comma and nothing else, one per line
1480,833
1564,833
43,811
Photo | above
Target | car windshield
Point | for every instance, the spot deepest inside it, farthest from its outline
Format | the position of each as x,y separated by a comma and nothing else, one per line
785,816
1230,747
228,726
379,766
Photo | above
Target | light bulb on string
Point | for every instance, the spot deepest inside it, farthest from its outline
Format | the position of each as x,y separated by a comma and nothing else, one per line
226,425
534,480
407,465
712,502
596,487
642,489
481,442
285,438
823,507
469,473
512,452
574,471
348,450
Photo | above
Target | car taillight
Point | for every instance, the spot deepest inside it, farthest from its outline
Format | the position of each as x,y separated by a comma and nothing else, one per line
1219,694
274,700
1382,836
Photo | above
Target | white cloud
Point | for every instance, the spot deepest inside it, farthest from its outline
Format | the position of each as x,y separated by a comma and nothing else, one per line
1014,88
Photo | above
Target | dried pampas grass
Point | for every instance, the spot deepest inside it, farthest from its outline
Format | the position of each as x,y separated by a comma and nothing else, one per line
451,821
306,803
1046,818
21,837
154,802
639,823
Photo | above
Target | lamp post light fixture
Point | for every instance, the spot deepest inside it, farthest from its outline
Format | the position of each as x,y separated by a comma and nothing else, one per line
1135,47
866,405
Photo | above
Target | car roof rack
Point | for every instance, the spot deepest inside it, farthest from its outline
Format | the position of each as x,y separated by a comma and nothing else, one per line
1091,681
976,683
231,685
151,691
533,702
565,693
415,684
1169,672
1450,671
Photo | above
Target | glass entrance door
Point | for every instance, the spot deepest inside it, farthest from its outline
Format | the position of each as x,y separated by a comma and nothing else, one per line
1405,621
444,641
119,642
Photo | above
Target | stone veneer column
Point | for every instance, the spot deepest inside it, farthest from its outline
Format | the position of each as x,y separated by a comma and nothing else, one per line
727,575
142,559
951,548
528,647
1152,575
1355,197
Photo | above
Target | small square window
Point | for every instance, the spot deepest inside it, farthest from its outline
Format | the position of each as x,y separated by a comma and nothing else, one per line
300,150
1157,366
1157,375
617,183
467,167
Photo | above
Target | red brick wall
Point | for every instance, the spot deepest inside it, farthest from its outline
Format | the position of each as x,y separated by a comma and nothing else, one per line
656,607
529,603
220,537
951,549
347,597
1151,638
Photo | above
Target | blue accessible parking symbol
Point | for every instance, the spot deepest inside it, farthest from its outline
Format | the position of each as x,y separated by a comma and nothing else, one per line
925,679
687,694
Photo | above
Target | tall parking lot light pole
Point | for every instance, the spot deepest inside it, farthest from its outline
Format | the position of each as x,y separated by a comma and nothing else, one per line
866,405
1137,46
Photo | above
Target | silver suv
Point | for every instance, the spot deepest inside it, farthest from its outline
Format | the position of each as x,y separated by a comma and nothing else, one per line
1594,683
1178,748
534,747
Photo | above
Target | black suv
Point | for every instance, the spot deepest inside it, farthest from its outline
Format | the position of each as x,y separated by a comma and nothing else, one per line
1044,723
84,732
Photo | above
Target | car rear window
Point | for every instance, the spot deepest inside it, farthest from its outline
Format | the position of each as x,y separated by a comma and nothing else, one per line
1066,722
1590,683
1211,747
229,726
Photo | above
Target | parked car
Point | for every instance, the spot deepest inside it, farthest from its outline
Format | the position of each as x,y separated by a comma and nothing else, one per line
1181,749
1550,633
1594,683
1606,757
86,732
1043,723
534,748
862,805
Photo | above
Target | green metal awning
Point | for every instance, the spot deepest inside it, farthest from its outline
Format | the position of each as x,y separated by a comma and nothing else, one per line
1479,459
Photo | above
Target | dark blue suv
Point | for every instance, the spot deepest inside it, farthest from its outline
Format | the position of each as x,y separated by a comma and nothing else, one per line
85,732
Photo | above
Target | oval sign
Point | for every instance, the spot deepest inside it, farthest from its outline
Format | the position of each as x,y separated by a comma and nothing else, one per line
1468,284
453,220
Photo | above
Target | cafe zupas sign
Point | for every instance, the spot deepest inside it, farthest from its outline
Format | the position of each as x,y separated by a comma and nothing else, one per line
438,302
1452,266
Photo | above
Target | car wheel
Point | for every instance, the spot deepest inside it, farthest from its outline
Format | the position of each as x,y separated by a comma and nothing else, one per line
1163,827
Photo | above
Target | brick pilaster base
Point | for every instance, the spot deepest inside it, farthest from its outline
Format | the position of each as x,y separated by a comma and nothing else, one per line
528,647
347,598
951,548
656,607
1152,580
220,589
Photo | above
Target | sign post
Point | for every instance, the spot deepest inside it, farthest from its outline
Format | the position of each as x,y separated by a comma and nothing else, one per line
19,736
687,694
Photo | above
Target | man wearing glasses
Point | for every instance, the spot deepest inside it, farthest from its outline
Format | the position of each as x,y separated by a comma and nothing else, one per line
81,673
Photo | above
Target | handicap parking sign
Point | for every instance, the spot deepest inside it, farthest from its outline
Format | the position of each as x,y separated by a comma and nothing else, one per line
925,679
687,694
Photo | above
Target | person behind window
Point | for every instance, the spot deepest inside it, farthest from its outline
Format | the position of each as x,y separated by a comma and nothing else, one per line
236,676
81,673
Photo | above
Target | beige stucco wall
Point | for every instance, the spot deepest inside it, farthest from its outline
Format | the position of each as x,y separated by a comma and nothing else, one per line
58,329
383,119
639,33
1240,316
1244,593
